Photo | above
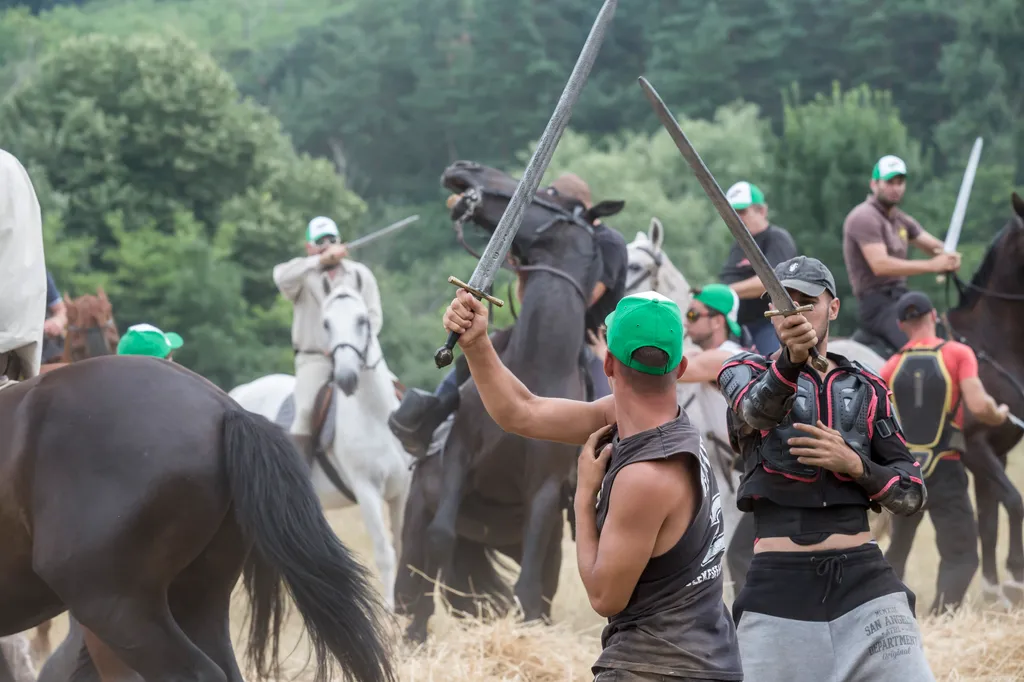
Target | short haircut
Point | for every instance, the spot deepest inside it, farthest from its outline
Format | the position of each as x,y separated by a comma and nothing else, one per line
648,384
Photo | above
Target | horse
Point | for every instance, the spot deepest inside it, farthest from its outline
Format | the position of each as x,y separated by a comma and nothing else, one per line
987,318
485,492
142,528
361,460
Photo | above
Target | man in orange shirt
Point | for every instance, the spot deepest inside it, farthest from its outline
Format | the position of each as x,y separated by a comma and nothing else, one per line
931,380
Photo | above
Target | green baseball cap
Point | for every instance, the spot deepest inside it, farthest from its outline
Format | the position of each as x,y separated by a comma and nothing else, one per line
145,339
722,299
888,167
321,226
645,319
744,194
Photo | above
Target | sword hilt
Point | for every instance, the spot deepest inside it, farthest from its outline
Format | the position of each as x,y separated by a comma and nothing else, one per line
443,356
817,361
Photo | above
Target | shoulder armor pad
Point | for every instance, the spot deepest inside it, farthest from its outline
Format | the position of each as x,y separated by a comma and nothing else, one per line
737,372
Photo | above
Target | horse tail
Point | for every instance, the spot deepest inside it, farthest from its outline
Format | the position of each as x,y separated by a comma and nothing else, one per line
277,509
476,580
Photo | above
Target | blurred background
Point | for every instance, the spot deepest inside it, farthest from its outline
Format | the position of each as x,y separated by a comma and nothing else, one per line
179,147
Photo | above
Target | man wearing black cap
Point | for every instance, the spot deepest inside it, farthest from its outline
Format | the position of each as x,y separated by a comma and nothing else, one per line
820,449
931,380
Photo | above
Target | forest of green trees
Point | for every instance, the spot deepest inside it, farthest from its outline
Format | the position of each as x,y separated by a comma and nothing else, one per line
180,146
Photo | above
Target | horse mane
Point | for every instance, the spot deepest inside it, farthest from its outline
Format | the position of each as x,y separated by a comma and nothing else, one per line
969,295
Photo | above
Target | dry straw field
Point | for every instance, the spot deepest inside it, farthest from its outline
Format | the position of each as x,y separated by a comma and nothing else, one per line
974,645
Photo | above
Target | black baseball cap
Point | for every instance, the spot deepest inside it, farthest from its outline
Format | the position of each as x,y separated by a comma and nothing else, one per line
807,275
913,305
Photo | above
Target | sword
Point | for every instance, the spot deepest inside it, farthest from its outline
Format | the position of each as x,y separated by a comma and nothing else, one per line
1016,421
374,236
501,241
780,297
960,209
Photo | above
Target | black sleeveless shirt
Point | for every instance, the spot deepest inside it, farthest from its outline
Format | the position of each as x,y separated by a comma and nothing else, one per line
675,622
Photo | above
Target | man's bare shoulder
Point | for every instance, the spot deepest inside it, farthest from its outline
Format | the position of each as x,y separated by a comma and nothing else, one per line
654,484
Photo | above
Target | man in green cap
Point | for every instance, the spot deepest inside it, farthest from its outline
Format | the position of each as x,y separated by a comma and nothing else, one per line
876,235
649,537
711,324
775,243
145,339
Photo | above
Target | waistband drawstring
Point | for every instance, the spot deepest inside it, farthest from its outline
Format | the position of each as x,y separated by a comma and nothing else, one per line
832,567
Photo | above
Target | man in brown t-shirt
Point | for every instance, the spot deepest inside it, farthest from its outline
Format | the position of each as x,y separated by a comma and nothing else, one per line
876,234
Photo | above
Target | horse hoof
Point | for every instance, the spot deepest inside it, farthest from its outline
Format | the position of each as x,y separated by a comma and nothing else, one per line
992,596
416,633
1013,592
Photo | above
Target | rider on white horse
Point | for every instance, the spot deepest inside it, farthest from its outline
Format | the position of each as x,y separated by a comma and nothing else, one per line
306,281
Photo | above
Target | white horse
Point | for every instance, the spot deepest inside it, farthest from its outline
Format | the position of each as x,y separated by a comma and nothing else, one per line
363,452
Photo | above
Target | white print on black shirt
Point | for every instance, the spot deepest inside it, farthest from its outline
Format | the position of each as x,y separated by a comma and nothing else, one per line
716,548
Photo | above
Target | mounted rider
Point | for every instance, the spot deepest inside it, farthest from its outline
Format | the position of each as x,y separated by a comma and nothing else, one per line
420,413
22,264
931,380
306,281
56,322
876,235
775,243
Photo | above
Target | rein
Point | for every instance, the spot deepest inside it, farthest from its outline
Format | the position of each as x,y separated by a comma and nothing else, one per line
361,354
651,274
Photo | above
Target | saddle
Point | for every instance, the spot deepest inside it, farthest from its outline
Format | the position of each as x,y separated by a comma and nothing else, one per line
6,382
874,342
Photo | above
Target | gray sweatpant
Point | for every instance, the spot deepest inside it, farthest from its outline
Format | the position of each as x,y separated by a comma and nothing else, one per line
836,616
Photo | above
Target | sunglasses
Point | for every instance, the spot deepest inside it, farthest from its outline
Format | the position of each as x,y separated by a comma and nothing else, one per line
693,315
326,239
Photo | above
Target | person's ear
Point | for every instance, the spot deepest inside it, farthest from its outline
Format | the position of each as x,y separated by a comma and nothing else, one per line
681,369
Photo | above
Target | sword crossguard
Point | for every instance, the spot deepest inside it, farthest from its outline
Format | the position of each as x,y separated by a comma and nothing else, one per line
476,292
817,361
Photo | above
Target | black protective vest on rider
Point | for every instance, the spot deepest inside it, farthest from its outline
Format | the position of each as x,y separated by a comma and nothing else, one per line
766,398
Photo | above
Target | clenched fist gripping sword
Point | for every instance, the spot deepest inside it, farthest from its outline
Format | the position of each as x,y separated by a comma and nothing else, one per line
501,241
780,297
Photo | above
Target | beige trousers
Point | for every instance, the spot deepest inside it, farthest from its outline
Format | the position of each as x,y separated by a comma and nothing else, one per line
312,370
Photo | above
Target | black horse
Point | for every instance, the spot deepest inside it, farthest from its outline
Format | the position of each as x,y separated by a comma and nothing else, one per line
134,493
491,491
989,319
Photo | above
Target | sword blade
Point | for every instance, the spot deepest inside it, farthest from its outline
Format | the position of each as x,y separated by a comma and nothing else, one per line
781,299
956,222
1016,421
374,236
501,241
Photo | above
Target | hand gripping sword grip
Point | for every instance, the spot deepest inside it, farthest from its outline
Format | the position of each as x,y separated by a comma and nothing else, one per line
443,356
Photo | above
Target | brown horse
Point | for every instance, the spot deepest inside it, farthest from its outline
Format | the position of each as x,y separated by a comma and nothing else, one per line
989,319
91,332
490,491
133,495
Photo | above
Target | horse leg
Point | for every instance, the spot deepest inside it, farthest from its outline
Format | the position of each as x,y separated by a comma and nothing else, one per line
371,505
542,521
413,588
70,661
985,466
441,531
16,660
552,571
397,504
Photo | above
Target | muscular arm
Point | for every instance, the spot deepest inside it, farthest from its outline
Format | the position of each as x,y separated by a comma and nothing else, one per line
759,391
639,504
516,410
891,476
704,366
884,265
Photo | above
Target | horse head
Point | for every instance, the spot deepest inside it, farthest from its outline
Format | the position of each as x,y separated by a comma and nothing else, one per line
1000,276
650,268
557,231
91,330
353,345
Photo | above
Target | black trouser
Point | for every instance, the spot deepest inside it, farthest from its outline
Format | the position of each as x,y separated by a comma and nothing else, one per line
877,311
956,534
741,551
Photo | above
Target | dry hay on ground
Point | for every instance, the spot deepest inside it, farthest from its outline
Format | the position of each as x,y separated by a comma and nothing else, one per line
970,646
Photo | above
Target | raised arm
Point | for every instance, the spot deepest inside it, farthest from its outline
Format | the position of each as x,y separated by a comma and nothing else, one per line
759,391
704,366
509,402
289,276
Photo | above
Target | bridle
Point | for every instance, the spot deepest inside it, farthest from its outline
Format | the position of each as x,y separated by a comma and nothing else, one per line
91,342
361,353
648,273
472,199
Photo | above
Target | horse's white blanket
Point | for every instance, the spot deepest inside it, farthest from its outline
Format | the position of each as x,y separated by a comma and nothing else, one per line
22,266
